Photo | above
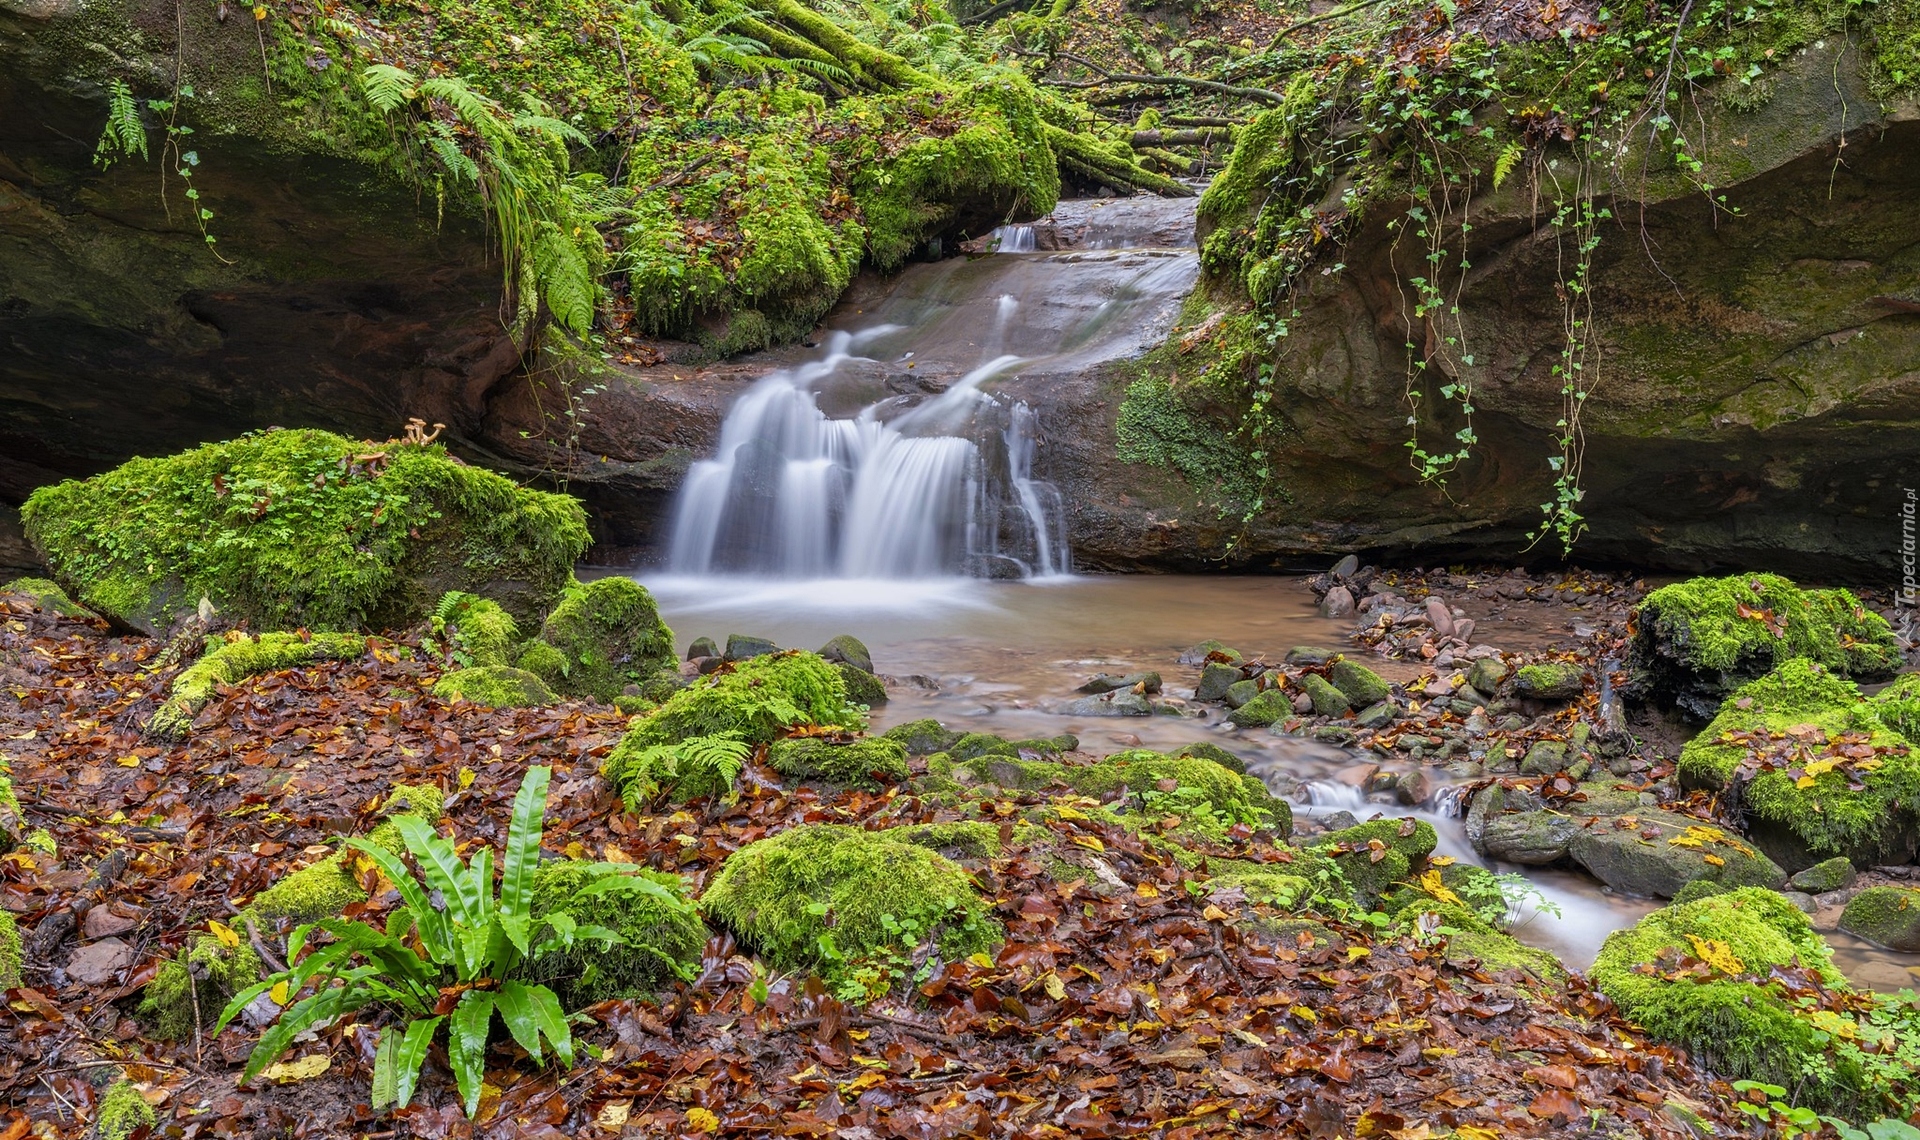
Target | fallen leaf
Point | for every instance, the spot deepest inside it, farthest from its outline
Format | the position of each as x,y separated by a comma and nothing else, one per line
304,1069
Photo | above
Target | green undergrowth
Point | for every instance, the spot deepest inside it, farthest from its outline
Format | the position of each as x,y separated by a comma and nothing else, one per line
1703,975
1375,856
230,661
1810,755
11,957
472,630
495,687
852,904
661,937
867,763
604,636
303,528
223,962
122,1112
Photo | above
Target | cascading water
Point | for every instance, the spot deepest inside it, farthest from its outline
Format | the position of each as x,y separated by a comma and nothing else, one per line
890,455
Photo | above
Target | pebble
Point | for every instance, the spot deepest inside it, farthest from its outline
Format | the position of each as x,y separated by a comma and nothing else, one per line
98,963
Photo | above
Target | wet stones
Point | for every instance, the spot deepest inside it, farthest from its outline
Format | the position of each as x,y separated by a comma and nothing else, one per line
1215,681
1889,916
1327,700
1550,681
1531,839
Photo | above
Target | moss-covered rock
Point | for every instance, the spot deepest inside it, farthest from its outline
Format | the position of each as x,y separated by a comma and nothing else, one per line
1359,684
833,898
662,932
1268,706
608,635
303,528
863,688
121,1112
1887,915
1549,681
1724,1012
962,839
1830,875
1375,856
1898,706
496,687
848,650
1696,641
866,763
47,597
235,659
475,631
1327,700
1802,723
923,737
1208,797
1215,679
10,951
1207,750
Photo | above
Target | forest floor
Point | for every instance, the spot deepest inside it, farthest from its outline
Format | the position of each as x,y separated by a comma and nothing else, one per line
1133,1001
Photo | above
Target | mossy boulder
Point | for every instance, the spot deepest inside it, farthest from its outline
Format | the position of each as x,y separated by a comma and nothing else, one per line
1549,681
47,597
1830,875
122,1112
866,763
303,528
1327,700
1803,723
1697,641
1889,916
475,631
962,839
977,744
1898,706
1359,684
237,657
833,898
923,737
1659,853
1723,1010
1375,856
605,635
863,688
496,687
848,650
1267,707
662,931
1215,679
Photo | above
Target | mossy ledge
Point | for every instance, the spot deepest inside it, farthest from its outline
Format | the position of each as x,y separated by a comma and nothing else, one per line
234,659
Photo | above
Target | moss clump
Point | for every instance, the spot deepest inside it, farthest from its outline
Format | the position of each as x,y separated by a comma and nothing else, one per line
1549,681
1271,706
607,634
1699,889
1206,797
47,597
966,839
1496,952
866,763
1361,685
302,528
663,935
1729,1018
923,737
10,951
1374,856
476,630
321,890
833,898
1476,888
122,1111
1208,751
977,744
1889,916
496,687
1327,699
1898,706
234,660
863,688
1698,640
1790,719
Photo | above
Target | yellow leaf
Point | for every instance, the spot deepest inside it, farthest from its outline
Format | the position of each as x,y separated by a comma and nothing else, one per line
304,1069
1430,883
278,993
1146,890
1303,1013
982,960
1253,1039
1065,812
466,781
1090,842
224,933
1472,1131
1215,914
700,1120
1715,860
128,761
1355,953
1822,766
1828,1021
1716,954
1056,989
870,1062
1440,861
576,850
613,854
1436,1052
613,1115
1683,841
865,1081
1804,782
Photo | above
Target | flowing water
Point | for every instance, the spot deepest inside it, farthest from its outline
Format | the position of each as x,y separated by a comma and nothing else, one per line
883,488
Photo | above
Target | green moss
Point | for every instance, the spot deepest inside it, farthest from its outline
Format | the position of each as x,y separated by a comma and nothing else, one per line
663,936
10,951
1734,1022
1205,750
13,824
232,661
1496,953
1361,685
1712,634
923,737
1898,706
477,631
1476,888
1551,679
1797,707
1170,426
1885,914
121,1111
47,596
496,687
1270,706
965,839
1699,889
866,763
831,898
1327,700
608,635
423,800
543,661
1374,856
288,528
863,688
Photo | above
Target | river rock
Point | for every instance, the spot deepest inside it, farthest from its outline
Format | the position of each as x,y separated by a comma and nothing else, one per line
1889,916
1338,602
1120,703
1264,709
1413,788
1544,759
1215,680
1835,874
1635,855
1107,683
1240,692
1488,803
1806,902
1347,567
702,647
740,647
1529,838
1308,655
1198,654
1376,715
1439,617
99,963
1327,700
848,650
1361,685
1302,703
1550,681
1487,673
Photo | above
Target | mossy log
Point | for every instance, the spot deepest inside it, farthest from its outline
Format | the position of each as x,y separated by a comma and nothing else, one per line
1086,157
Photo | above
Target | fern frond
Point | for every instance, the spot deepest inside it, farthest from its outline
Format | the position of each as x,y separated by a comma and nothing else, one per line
386,87
124,133
1503,166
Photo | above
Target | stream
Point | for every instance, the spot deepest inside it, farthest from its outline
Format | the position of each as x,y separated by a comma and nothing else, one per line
883,488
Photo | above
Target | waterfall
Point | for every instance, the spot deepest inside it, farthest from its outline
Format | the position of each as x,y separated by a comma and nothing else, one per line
1013,239
943,487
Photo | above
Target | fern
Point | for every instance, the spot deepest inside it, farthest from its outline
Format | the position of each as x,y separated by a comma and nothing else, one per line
124,134
1503,166
695,767
386,88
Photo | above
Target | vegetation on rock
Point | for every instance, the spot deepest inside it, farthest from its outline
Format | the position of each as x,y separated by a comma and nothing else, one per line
661,934
607,635
495,686
865,763
237,657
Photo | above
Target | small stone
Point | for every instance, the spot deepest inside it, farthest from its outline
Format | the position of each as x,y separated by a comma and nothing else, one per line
1198,654
1107,683
98,963
1803,900
702,647
1551,681
740,647
1376,715
1544,759
102,922
848,650
1308,655
1335,733
1327,700
1413,788
1302,703
1833,875
1577,739
1512,723
1347,567
1215,680
1360,685
1463,629
1338,602
1240,692
1120,703
1487,673
1439,618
